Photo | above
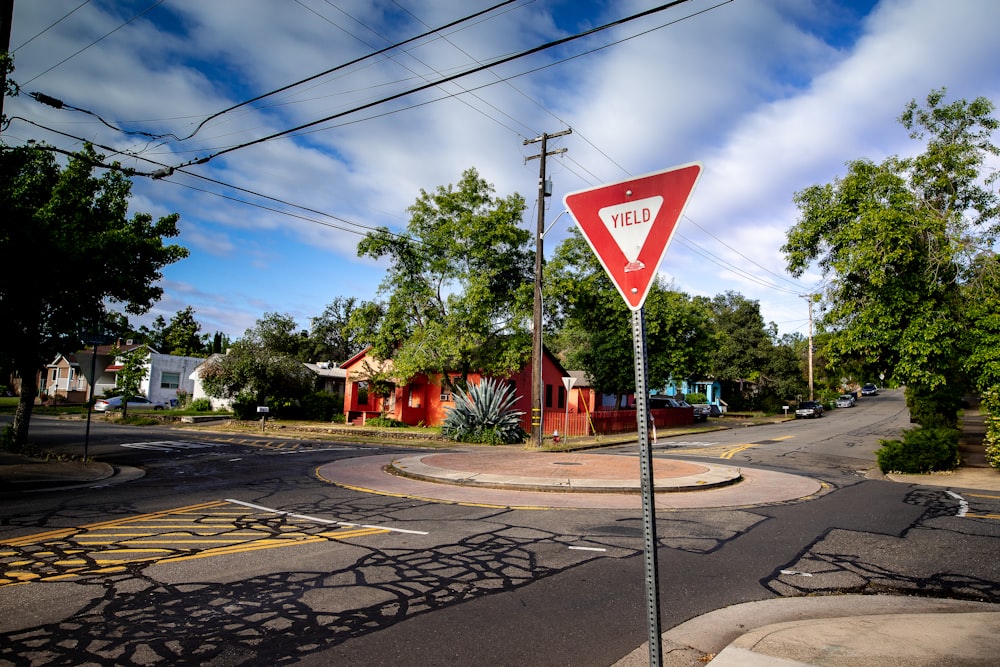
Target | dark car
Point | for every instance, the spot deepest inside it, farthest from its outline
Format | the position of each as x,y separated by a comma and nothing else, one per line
809,409
869,390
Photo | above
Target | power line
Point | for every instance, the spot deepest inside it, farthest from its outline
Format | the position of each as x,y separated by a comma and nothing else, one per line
447,79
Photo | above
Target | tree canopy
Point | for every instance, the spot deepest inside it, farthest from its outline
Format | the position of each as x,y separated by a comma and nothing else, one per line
458,285
901,244
261,367
93,256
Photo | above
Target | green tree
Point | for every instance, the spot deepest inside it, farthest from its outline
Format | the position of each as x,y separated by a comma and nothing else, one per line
95,257
134,370
330,336
896,241
458,286
742,349
591,325
181,336
262,366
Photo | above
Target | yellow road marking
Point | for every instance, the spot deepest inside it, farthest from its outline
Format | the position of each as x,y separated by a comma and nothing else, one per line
100,541
981,495
736,450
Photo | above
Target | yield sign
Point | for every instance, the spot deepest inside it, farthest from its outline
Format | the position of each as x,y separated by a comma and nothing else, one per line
629,224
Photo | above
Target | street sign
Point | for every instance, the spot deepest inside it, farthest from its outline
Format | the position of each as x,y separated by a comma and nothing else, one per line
629,224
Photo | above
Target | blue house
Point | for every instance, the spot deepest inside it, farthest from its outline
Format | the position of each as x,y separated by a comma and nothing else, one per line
712,389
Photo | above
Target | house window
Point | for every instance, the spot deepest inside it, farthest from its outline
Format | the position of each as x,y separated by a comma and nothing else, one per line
548,396
562,397
55,374
170,380
413,397
362,393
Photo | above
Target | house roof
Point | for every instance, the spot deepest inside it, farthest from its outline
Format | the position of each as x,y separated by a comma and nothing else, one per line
326,369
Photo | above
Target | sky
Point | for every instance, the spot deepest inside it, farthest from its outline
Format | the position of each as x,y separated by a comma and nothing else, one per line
769,96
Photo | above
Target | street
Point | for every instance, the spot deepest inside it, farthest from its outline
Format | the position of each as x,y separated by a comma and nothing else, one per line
231,550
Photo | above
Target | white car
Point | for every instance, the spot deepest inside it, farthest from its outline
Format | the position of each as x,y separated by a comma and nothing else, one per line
134,403
846,401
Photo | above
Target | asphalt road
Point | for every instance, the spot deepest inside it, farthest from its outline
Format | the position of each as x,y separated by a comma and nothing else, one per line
230,551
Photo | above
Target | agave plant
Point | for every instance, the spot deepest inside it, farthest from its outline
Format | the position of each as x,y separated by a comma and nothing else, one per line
484,414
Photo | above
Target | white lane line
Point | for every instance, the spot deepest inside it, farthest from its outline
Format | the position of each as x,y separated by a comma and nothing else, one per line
322,520
796,573
588,549
963,504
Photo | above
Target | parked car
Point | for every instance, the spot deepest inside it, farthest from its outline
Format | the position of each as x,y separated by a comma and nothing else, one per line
846,401
701,413
809,409
869,390
134,403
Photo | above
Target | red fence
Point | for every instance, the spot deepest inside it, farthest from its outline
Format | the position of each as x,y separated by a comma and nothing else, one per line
607,422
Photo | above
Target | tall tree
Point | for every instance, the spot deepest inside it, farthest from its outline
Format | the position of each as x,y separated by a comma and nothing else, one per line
262,366
330,336
896,241
595,325
458,286
94,256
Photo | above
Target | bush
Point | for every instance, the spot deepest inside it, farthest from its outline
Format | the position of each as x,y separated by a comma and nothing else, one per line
385,422
695,399
484,414
320,406
245,407
921,450
201,405
990,409
934,408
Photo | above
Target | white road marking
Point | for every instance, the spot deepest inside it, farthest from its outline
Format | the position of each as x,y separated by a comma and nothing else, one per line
317,519
170,445
588,549
796,573
963,504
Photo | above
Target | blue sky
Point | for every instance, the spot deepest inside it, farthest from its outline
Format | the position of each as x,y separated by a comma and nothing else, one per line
771,96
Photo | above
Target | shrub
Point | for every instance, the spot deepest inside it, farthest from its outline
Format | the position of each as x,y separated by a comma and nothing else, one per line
245,407
934,408
201,405
921,450
384,422
695,399
339,418
320,406
990,409
484,414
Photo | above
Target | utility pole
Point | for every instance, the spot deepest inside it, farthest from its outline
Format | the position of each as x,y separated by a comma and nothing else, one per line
537,386
809,299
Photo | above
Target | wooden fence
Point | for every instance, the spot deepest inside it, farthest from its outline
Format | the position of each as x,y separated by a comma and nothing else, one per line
606,422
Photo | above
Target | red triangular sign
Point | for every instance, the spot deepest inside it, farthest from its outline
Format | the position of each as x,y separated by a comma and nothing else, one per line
629,224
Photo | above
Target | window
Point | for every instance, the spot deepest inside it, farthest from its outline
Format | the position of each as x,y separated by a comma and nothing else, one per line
562,397
548,396
362,393
170,380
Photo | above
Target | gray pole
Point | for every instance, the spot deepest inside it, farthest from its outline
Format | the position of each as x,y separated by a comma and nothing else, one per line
646,475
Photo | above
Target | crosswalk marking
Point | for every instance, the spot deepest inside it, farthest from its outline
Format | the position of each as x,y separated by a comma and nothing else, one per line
171,445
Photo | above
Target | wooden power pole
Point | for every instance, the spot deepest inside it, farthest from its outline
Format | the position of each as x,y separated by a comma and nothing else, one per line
537,385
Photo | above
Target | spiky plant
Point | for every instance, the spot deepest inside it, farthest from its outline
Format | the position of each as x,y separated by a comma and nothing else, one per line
484,414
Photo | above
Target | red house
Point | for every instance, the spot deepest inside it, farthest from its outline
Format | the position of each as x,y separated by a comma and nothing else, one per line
423,400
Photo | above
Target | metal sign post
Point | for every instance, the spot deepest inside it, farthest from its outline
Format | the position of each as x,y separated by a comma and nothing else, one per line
646,481
629,225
